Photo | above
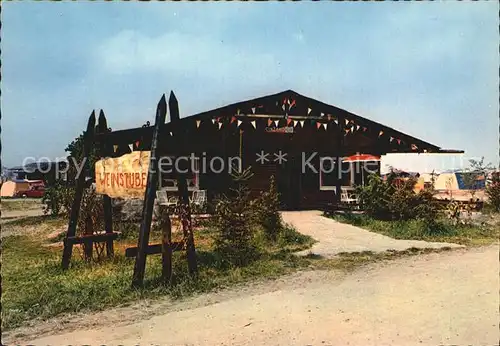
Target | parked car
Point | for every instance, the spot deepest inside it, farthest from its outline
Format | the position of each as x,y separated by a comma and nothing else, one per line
33,192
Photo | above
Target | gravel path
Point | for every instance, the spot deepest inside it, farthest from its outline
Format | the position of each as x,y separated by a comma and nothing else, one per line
334,237
446,298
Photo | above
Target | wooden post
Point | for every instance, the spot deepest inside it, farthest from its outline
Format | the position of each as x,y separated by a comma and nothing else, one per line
149,197
80,186
166,245
104,151
339,153
185,211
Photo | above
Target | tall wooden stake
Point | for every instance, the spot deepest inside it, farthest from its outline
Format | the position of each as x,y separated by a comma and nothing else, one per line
149,197
80,186
104,151
183,188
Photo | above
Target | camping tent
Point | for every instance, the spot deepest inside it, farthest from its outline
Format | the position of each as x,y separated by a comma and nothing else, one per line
11,187
456,181
428,177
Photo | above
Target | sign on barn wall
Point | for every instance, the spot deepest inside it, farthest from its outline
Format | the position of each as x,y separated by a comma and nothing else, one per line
123,176
287,129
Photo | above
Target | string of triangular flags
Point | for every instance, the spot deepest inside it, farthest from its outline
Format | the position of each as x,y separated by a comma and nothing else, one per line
322,123
350,125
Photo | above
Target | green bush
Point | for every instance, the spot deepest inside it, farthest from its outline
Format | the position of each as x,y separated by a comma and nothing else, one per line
57,198
395,199
427,207
375,197
403,202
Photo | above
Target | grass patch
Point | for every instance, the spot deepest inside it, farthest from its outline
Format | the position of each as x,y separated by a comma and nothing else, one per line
441,231
35,287
20,204
348,262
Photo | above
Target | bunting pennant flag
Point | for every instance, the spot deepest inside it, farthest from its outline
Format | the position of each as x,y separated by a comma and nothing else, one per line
220,125
325,125
269,122
380,133
253,110
329,117
238,112
318,125
414,147
276,122
364,129
322,114
346,121
131,146
308,111
357,127
198,123
288,121
253,124
347,131
301,123
239,123
233,119
390,140
295,122
137,144
399,141
115,147
291,104
213,121
336,121
171,134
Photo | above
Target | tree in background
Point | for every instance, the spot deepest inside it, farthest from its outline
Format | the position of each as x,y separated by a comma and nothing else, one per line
234,220
268,211
493,191
58,196
472,176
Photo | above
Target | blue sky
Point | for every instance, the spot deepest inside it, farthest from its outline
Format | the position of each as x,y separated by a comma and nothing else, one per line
428,69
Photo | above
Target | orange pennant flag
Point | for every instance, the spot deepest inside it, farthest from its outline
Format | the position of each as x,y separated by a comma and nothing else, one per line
288,121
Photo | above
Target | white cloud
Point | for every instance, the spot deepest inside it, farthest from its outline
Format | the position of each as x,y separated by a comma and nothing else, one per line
174,52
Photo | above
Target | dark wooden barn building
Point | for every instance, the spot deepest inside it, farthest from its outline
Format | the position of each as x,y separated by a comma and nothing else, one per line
287,135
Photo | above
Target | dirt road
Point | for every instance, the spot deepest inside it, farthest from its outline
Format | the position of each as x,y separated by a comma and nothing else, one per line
442,298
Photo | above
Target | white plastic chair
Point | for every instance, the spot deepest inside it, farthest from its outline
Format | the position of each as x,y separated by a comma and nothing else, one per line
346,197
199,197
163,199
